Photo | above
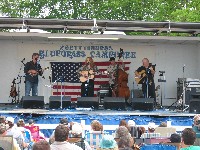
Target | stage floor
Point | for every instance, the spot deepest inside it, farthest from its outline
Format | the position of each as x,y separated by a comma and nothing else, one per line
15,109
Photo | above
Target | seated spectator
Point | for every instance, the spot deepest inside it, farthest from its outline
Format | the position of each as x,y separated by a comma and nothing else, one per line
61,137
175,138
16,133
96,125
188,139
121,131
108,143
26,132
163,124
63,121
3,132
123,123
2,119
76,132
196,126
35,131
95,134
125,142
151,127
41,145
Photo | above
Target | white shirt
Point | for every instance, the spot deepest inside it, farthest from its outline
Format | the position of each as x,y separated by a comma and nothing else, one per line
64,146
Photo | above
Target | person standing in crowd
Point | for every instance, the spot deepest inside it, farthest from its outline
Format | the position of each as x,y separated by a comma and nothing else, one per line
112,73
145,74
32,69
86,73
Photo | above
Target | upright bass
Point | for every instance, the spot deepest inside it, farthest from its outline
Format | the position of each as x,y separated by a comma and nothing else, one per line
121,87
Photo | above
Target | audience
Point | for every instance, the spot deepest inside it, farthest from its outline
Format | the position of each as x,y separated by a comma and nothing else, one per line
125,142
41,145
123,123
16,133
96,125
26,132
61,137
163,124
188,139
175,138
3,132
63,121
151,127
76,132
108,143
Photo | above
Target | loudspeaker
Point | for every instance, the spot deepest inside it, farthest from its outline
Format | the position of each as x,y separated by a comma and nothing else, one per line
142,103
33,101
55,102
114,103
88,102
194,106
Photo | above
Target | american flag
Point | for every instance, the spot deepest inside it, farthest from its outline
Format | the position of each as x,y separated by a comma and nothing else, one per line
65,73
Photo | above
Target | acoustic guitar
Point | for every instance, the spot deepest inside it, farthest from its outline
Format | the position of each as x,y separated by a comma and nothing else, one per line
139,80
86,75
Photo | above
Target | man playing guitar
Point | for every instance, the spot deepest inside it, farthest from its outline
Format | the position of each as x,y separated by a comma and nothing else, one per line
32,69
145,75
86,74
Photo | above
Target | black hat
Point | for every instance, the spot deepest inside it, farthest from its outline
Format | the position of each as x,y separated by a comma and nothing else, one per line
112,58
64,121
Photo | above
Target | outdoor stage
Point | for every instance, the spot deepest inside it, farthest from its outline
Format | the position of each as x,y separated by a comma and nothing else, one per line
48,119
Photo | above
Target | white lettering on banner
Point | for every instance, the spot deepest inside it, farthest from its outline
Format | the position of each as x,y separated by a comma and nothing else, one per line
69,51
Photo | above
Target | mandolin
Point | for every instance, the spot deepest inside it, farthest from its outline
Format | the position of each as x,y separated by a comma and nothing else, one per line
36,72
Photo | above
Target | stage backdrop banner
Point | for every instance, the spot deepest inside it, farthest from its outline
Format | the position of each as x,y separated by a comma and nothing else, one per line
65,74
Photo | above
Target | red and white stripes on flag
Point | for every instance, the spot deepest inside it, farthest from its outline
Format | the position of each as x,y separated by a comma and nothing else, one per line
74,89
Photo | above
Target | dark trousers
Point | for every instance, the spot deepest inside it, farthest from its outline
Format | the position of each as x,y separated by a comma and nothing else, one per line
111,89
151,90
87,88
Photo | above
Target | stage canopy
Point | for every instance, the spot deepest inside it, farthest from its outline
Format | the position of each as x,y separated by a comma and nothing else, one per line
101,25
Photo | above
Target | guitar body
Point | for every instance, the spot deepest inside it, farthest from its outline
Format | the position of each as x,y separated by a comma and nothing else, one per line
86,75
139,80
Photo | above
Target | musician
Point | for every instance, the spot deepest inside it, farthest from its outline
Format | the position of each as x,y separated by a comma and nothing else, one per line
148,79
87,87
32,69
111,72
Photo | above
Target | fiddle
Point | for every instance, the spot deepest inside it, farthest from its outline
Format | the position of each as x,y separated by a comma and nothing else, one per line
13,92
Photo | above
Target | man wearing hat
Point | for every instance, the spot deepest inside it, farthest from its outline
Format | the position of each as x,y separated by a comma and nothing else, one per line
112,71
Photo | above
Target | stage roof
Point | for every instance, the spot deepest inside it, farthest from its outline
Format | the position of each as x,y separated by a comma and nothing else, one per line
102,25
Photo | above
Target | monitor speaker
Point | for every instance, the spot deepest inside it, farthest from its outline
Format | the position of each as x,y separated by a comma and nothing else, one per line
33,102
55,102
88,102
194,105
143,103
114,103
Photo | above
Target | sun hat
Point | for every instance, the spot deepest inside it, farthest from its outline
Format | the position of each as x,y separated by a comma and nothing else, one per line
107,142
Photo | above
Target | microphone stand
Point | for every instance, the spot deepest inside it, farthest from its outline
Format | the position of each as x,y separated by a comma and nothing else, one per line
19,83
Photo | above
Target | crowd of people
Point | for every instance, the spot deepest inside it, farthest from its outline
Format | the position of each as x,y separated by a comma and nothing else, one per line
71,136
